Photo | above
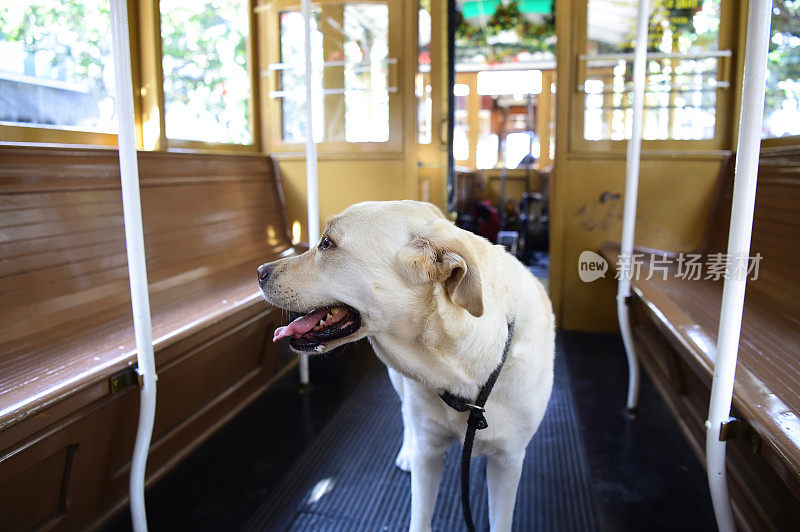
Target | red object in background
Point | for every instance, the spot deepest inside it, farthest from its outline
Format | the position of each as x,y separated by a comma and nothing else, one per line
488,219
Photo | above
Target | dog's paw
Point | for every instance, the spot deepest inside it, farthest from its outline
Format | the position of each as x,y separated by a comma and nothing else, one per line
403,460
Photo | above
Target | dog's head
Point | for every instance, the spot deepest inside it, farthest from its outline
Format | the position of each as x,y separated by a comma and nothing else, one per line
379,267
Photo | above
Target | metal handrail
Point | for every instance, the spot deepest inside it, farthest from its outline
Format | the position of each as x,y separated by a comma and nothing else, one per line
137,267
629,207
751,118
312,189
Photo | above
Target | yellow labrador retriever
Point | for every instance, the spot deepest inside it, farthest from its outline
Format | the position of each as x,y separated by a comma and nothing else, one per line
437,304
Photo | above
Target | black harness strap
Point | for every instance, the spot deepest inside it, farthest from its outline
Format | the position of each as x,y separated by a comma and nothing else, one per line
475,421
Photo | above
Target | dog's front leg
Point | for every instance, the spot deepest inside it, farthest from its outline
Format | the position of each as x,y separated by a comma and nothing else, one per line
403,460
426,471
503,471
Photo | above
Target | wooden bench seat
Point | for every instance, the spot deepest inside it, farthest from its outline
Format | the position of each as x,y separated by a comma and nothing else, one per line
209,222
56,362
675,324
768,348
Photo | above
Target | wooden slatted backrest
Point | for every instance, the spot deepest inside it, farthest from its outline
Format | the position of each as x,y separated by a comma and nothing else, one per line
62,246
776,229
715,238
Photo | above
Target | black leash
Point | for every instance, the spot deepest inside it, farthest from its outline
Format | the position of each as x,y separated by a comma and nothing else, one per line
475,421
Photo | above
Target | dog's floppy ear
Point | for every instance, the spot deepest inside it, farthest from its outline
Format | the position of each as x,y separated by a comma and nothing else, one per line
431,257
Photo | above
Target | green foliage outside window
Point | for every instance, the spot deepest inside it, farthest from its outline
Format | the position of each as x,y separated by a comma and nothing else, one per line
72,34
206,82
57,67
506,35
782,105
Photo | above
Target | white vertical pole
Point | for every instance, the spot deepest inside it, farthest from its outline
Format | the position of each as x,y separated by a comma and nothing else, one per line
629,208
744,199
311,161
137,267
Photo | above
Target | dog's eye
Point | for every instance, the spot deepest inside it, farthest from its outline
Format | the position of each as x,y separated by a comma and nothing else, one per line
326,243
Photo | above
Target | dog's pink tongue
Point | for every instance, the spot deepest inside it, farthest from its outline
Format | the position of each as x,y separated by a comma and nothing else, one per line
300,326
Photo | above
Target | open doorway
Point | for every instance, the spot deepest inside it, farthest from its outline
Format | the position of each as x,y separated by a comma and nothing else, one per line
502,101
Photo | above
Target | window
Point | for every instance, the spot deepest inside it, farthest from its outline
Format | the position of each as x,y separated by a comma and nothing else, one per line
353,75
461,126
57,69
350,60
684,74
496,117
206,78
486,152
782,104
191,73
292,71
366,75
422,81
518,146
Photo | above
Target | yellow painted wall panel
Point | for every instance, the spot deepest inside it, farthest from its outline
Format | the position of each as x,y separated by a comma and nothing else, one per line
676,188
674,200
341,184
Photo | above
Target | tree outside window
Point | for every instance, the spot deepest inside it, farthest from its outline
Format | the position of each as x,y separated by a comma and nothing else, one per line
206,78
782,103
57,68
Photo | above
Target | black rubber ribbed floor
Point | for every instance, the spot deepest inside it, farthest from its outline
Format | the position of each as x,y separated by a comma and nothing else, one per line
347,479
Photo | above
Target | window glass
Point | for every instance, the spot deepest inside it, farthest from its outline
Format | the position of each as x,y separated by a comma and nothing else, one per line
461,126
293,76
782,105
57,68
422,81
366,52
489,32
350,73
488,142
681,88
518,146
509,100
206,80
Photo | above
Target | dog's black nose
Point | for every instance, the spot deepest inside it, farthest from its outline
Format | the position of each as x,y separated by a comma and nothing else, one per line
264,271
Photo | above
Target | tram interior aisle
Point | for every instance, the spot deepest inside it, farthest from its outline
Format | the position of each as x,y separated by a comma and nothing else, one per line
332,465
606,144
